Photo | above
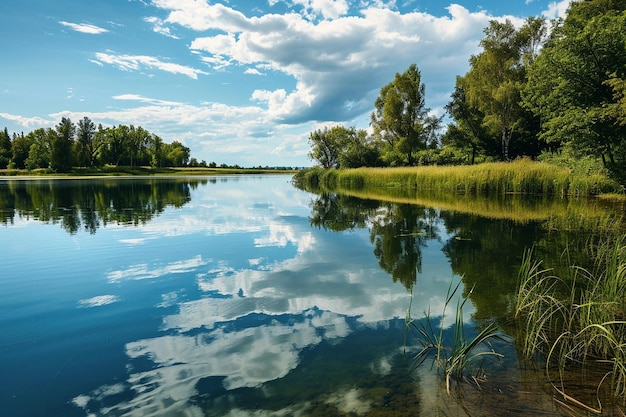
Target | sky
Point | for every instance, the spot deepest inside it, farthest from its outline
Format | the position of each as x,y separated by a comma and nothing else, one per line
237,81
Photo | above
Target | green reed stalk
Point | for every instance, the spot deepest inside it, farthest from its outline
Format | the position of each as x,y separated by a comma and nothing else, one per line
580,319
456,360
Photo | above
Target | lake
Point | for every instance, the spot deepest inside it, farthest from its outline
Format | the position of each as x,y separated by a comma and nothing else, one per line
245,296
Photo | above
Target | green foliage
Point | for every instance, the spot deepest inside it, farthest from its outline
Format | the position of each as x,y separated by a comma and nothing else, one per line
468,132
401,117
576,83
5,148
341,147
20,148
84,145
579,318
494,83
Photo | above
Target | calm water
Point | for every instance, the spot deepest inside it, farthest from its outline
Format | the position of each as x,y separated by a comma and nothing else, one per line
242,296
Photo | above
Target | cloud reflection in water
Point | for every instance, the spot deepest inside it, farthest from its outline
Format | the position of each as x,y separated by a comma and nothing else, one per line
249,324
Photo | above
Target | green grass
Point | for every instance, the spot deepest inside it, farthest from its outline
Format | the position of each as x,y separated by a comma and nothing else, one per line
522,176
578,320
463,357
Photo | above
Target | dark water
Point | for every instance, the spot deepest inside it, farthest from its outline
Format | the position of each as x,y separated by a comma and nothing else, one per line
244,296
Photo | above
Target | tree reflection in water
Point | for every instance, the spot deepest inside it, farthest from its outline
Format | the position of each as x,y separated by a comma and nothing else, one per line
92,203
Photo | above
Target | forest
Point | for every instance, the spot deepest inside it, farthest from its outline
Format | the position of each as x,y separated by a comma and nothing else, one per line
553,91
69,145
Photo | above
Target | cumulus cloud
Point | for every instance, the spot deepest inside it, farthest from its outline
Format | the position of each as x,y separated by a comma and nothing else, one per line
27,122
84,28
339,63
137,62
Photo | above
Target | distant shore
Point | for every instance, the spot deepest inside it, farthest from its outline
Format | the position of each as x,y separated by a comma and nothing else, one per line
112,171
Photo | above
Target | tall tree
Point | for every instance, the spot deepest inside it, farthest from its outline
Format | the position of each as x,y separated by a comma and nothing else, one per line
5,148
326,145
20,148
40,152
498,74
400,118
85,137
574,84
61,158
468,131
176,154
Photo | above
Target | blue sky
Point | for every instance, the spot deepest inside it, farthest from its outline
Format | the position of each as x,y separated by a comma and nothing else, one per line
237,81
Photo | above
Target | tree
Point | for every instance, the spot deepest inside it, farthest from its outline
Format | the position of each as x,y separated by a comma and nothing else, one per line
468,132
40,152
85,138
326,145
5,148
155,150
175,154
359,150
498,74
401,119
574,84
20,148
61,159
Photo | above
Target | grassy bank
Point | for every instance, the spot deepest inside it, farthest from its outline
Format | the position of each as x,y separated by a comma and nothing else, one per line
522,176
137,171
577,320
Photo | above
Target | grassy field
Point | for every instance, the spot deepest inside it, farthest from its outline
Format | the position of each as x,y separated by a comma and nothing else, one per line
522,177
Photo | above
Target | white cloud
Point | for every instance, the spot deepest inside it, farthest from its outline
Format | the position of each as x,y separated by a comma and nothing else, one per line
340,64
158,26
137,62
557,9
84,28
27,122
328,9
253,71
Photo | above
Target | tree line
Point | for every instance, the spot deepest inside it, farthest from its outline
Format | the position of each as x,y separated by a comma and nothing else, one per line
83,144
546,87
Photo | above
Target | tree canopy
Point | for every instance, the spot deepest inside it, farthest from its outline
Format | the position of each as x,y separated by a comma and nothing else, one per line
401,119
576,84
83,145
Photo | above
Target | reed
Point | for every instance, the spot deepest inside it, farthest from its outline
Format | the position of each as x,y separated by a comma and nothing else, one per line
522,176
463,357
580,319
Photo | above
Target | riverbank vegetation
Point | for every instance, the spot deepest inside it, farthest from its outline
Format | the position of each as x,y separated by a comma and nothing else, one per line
520,177
577,319
546,91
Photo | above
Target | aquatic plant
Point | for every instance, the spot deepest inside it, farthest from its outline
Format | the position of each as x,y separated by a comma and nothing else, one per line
577,320
463,357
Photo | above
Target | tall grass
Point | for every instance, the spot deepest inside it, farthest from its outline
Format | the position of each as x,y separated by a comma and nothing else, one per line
521,176
580,319
463,357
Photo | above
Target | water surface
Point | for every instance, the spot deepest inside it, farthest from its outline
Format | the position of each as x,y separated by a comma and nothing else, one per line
242,296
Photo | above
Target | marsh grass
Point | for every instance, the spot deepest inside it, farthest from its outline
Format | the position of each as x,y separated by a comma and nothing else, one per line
462,359
521,176
578,320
